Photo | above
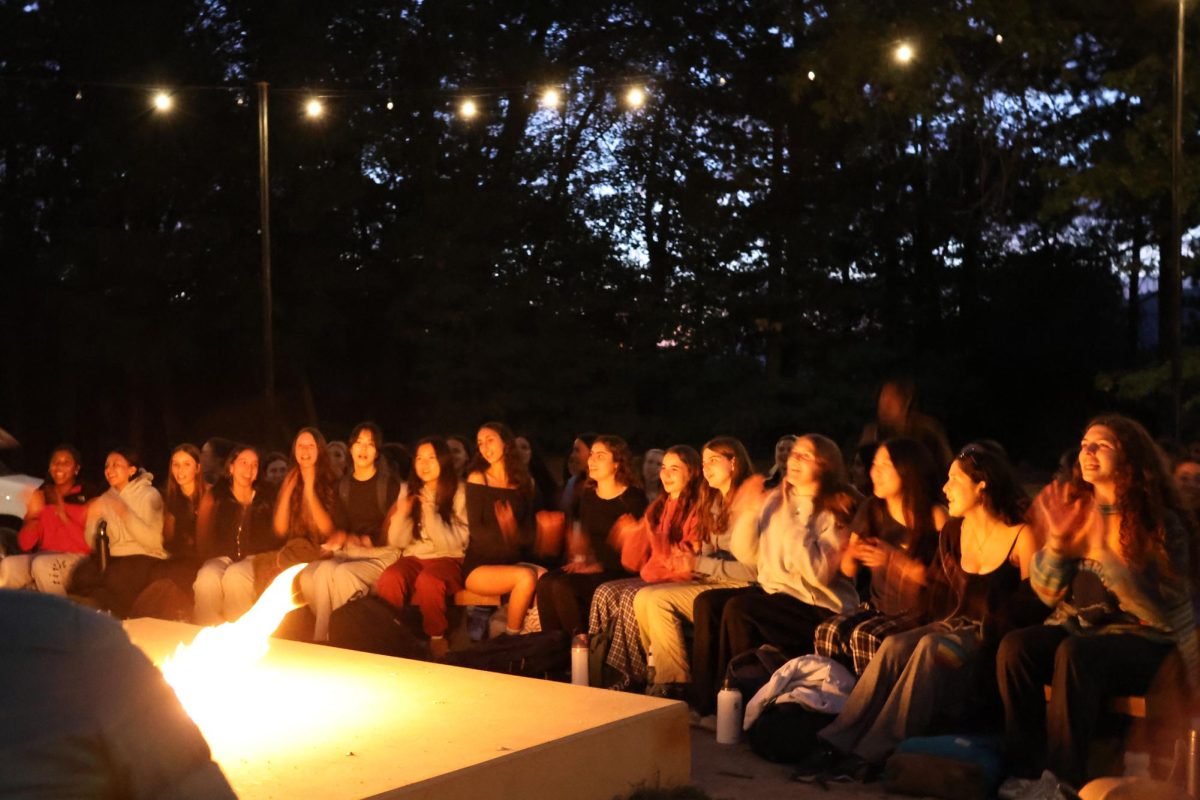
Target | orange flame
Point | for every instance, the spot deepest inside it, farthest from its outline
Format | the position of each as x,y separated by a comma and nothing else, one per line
215,674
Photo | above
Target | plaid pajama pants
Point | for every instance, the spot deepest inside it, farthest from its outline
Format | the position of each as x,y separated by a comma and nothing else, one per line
854,638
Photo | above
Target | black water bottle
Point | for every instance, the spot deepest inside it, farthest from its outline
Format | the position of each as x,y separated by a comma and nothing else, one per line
102,544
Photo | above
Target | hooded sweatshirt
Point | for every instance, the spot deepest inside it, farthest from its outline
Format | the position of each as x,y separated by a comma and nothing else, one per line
796,551
134,516
438,539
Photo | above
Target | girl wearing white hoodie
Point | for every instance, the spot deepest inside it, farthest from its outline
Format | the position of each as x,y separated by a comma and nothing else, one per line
794,536
133,512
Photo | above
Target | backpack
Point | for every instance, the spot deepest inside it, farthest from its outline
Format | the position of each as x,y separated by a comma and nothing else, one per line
535,655
951,767
785,732
751,670
372,625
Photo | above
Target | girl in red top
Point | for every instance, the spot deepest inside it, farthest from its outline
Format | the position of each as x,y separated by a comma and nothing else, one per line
52,536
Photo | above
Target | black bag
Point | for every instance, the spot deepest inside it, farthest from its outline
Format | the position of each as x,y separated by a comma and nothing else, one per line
534,655
372,625
751,670
786,732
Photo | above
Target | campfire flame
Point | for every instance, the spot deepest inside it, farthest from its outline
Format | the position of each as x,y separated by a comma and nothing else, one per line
217,673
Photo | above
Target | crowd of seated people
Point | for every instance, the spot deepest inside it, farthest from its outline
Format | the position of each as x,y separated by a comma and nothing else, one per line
956,600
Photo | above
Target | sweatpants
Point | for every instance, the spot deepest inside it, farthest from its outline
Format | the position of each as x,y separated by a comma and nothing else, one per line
425,582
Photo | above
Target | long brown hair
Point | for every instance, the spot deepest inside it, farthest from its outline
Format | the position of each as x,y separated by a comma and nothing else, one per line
834,493
713,524
174,490
918,485
516,472
1146,492
326,481
688,497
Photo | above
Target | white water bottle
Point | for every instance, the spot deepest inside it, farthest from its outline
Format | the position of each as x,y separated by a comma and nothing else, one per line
579,660
729,714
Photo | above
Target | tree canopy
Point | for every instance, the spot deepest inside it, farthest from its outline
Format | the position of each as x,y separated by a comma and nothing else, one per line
791,217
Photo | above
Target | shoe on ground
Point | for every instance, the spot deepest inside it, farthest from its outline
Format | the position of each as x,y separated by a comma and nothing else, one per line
667,691
816,765
850,768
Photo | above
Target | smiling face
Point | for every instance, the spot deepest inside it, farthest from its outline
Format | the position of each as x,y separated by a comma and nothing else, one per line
243,470
674,475
490,444
962,493
884,476
184,468
803,469
306,451
600,463
63,468
718,470
118,471
364,450
426,465
1099,455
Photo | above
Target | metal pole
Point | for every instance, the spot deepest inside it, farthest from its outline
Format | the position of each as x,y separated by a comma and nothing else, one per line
1175,272
264,213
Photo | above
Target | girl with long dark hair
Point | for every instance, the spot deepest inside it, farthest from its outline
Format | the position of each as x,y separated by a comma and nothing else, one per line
663,609
564,596
234,522
941,672
186,488
429,533
500,514
794,536
893,540
1114,571
662,547
308,521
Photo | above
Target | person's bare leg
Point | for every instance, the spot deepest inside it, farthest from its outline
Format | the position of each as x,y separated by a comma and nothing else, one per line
518,582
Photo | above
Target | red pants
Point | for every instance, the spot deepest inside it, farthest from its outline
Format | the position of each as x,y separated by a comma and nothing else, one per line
426,582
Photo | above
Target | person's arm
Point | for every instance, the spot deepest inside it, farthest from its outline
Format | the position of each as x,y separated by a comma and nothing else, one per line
31,529
283,504
205,522
168,525
143,517
1024,550
820,544
399,527
321,516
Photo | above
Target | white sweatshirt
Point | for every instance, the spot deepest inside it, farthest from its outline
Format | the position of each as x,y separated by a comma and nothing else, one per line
134,516
438,539
796,551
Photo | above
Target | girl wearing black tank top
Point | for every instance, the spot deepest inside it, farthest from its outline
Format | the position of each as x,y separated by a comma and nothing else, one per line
926,677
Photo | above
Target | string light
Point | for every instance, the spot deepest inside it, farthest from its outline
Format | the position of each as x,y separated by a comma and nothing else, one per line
390,105
904,53
812,76
162,102
467,109
999,38
313,108
551,97
635,97
79,94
